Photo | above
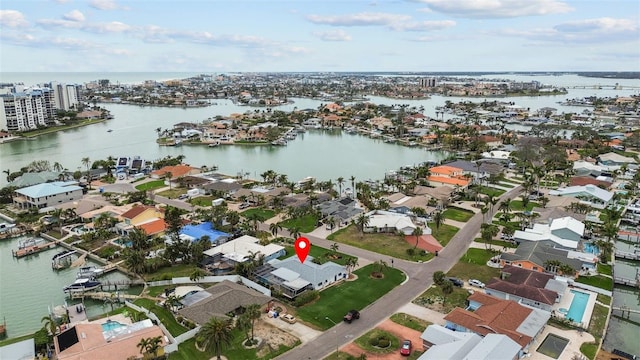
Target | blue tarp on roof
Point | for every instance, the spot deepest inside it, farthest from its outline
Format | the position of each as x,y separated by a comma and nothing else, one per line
205,229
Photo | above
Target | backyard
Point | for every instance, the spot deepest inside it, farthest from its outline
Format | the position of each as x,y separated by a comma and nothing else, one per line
491,191
305,224
165,316
387,244
337,300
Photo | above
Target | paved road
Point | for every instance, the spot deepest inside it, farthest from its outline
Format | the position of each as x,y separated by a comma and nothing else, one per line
420,279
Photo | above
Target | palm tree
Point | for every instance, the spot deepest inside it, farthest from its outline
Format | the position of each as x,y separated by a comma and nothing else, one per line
253,313
378,268
331,221
350,264
49,324
438,219
362,222
447,289
142,344
334,247
274,228
340,181
417,232
438,277
57,167
505,206
168,176
215,335
197,274
353,186
86,162
58,215
295,232
153,345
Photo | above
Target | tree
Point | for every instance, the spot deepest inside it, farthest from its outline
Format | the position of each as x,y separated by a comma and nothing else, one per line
215,335
86,162
350,264
253,313
334,247
150,346
438,277
142,344
295,232
197,274
49,324
378,268
447,289
274,228
340,182
362,221
438,219
168,176
487,233
417,232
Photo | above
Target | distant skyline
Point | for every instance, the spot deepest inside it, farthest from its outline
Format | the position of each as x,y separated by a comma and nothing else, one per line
326,35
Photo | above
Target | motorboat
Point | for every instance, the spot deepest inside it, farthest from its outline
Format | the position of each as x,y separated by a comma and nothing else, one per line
82,285
6,227
89,272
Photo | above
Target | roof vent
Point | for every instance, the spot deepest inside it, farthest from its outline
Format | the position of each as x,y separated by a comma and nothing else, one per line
83,335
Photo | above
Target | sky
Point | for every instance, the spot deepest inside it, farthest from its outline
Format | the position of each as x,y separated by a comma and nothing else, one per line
318,35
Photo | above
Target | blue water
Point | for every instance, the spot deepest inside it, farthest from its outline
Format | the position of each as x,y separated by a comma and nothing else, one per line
591,248
578,304
111,325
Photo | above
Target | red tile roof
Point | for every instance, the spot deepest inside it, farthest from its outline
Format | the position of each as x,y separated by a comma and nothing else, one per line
153,227
588,180
135,211
495,316
176,171
449,180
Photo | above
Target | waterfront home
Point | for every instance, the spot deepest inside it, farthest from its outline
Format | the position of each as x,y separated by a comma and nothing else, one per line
292,277
34,178
477,169
440,193
92,341
194,233
389,222
565,232
176,171
527,287
401,203
138,215
442,343
448,176
539,255
155,227
241,250
93,213
341,210
588,194
613,159
585,168
486,314
603,182
224,187
219,301
47,195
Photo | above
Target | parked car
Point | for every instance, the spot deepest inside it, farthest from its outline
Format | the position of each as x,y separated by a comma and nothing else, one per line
244,206
183,197
288,318
455,281
351,315
476,283
405,349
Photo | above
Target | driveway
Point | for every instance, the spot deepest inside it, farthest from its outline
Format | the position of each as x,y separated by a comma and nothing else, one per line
420,278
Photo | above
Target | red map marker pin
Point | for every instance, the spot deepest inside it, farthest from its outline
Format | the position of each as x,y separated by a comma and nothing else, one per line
302,246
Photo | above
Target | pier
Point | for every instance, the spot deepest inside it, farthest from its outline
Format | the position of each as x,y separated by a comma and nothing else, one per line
13,233
27,248
627,255
103,295
625,310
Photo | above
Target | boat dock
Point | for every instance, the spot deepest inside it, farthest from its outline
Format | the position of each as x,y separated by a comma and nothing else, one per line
103,295
62,260
13,233
627,255
31,246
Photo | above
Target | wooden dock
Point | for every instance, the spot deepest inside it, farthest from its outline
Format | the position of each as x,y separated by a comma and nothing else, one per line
626,281
33,249
627,255
13,233
103,295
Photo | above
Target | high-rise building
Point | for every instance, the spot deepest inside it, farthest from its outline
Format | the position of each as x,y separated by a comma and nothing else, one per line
21,111
66,96
427,82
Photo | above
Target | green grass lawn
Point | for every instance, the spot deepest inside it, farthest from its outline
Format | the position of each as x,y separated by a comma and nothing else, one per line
444,233
169,272
432,298
151,185
498,243
410,321
364,342
605,299
320,253
516,205
173,193
473,265
596,328
600,281
202,201
387,244
263,214
306,223
457,214
489,191
605,269
165,316
337,300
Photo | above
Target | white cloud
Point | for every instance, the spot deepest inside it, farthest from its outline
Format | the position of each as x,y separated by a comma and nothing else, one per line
333,35
58,42
12,19
74,15
601,30
105,5
423,25
497,8
361,19
62,1
119,52
603,25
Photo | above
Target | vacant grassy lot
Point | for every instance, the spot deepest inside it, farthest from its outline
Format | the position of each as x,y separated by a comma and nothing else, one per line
202,201
605,269
444,233
164,315
432,299
497,243
320,253
337,300
489,191
457,214
306,223
516,205
410,321
173,193
166,273
387,244
473,265
263,214
600,281
151,185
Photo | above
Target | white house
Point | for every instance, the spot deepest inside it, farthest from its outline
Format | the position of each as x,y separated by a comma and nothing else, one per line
565,232
239,250
387,221
47,195
443,343
615,159
588,194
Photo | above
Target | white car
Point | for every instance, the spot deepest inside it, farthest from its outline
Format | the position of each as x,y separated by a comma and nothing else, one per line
476,283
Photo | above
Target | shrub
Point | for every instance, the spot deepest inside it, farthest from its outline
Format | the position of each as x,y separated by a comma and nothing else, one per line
307,297
373,341
411,251
383,342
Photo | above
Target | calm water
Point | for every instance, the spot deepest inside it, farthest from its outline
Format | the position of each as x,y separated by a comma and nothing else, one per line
29,287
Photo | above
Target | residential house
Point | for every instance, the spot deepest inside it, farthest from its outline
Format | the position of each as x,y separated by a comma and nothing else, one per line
341,210
442,343
194,233
448,176
477,169
226,187
613,159
292,277
491,141
387,221
565,232
90,341
588,194
47,195
219,301
34,178
527,287
241,250
490,315
138,215
537,256
176,172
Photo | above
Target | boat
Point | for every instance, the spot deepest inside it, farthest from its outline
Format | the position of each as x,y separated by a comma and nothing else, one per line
31,246
82,285
62,260
6,227
279,142
110,130
214,144
89,272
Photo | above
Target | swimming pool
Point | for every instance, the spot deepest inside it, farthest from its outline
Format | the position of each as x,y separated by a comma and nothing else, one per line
123,243
578,305
591,248
111,325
